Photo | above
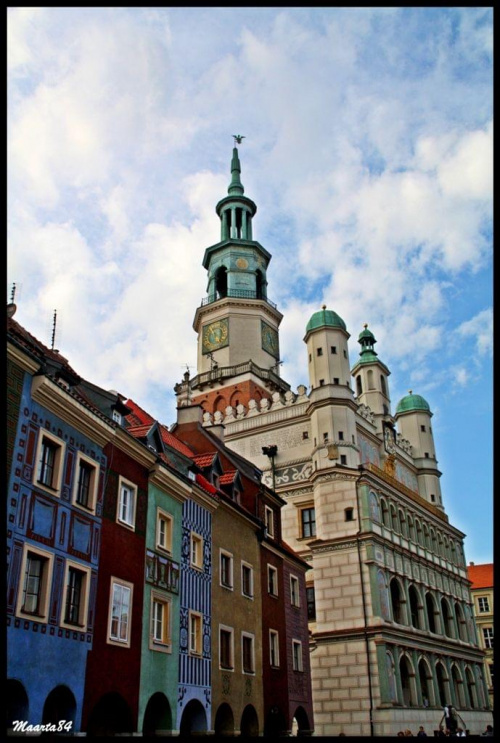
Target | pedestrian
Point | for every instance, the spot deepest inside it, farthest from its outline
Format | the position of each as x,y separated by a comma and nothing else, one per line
461,733
488,731
440,732
408,732
402,735
421,732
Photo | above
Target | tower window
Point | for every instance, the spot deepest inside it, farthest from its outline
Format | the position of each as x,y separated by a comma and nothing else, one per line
359,385
319,352
305,434
422,428
349,514
433,498
310,358
336,380
345,354
321,382
334,349
382,385
325,437
341,435
427,455
343,459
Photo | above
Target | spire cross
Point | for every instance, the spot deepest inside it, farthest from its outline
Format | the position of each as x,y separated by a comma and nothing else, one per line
238,138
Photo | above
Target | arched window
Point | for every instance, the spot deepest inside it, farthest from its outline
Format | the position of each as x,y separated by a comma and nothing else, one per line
407,682
453,553
382,385
458,686
426,685
359,385
447,618
471,687
397,602
402,521
443,684
374,508
221,283
462,626
415,607
446,548
427,542
259,284
394,519
411,530
383,595
433,540
440,544
371,385
385,513
431,612
391,677
418,529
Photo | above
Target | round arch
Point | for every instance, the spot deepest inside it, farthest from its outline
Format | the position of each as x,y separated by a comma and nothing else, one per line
219,405
249,725
432,612
300,722
60,704
443,684
458,686
235,398
408,686
17,702
157,716
397,601
275,725
447,615
224,720
415,606
426,685
194,718
471,687
110,715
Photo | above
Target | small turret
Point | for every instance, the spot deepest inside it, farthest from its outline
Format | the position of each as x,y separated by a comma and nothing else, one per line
371,378
413,416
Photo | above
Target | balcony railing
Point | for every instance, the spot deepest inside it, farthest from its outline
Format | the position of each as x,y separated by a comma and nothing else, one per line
237,294
223,372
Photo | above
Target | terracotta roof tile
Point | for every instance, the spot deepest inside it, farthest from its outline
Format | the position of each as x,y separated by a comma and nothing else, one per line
228,477
140,430
170,440
481,575
204,460
138,414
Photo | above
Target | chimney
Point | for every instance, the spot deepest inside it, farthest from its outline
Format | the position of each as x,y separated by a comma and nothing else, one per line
189,414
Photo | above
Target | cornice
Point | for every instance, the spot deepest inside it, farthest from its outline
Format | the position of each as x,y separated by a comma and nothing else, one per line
22,359
165,480
133,448
58,401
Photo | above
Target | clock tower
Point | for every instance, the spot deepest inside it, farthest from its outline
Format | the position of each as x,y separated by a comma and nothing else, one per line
237,325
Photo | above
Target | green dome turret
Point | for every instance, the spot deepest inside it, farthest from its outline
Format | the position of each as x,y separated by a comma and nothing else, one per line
324,318
411,403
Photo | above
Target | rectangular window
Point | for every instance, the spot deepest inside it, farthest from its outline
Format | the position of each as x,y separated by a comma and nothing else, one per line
319,352
274,650
226,648
308,518
76,595
36,569
321,382
226,569
333,349
247,651
336,380
294,591
297,655
126,503
160,622
86,481
488,637
325,437
49,462
484,604
164,527
121,612
341,435
305,435
247,580
422,428
196,550
195,625
343,459
311,603
117,416
269,516
272,580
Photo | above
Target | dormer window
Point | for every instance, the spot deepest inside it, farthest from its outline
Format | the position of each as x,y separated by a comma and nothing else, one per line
117,417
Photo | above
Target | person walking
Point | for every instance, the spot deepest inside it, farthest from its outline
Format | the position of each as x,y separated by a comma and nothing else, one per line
421,732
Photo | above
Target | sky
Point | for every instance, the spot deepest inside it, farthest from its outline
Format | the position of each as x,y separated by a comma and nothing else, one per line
368,150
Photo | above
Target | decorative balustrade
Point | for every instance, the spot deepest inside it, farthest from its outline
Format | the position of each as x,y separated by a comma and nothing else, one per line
237,294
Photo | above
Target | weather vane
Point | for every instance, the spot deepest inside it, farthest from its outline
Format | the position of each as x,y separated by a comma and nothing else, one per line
238,138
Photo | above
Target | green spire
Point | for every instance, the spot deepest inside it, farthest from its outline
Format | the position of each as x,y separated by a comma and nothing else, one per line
367,342
235,187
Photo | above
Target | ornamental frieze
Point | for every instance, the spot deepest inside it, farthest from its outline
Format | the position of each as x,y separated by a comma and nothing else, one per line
334,547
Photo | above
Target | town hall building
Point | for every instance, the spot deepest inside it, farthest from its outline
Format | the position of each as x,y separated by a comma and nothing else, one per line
392,632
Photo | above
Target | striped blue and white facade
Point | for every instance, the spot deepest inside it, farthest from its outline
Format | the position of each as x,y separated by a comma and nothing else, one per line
195,596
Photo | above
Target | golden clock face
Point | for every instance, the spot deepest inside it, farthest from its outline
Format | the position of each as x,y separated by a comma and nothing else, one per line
215,335
270,341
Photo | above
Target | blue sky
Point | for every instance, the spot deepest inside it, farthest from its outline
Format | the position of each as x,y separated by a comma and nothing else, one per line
368,151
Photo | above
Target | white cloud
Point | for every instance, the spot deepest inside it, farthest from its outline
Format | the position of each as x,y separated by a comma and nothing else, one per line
480,329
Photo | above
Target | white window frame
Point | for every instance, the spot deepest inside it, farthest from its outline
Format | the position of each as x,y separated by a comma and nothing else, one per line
111,639
483,604
294,593
248,636
55,487
46,582
129,486
488,637
274,642
272,570
116,416
168,519
230,632
297,660
223,554
247,566
84,600
93,486
269,521
163,645
196,540
195,618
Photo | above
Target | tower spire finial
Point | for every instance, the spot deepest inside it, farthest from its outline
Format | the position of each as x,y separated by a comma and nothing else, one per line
236,186
54,330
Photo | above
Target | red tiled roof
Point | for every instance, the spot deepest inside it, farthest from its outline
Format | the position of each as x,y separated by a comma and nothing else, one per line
481,575
203,482
35,346
138,416
228,477
170,440
204,460
140,422
139,431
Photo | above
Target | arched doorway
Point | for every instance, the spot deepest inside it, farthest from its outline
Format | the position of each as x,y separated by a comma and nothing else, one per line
59,705
111,715
249,726
300,723
275,722
224,720
17,702
158,715
194,718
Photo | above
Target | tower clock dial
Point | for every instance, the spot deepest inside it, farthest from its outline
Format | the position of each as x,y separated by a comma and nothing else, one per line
270,341
215,335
